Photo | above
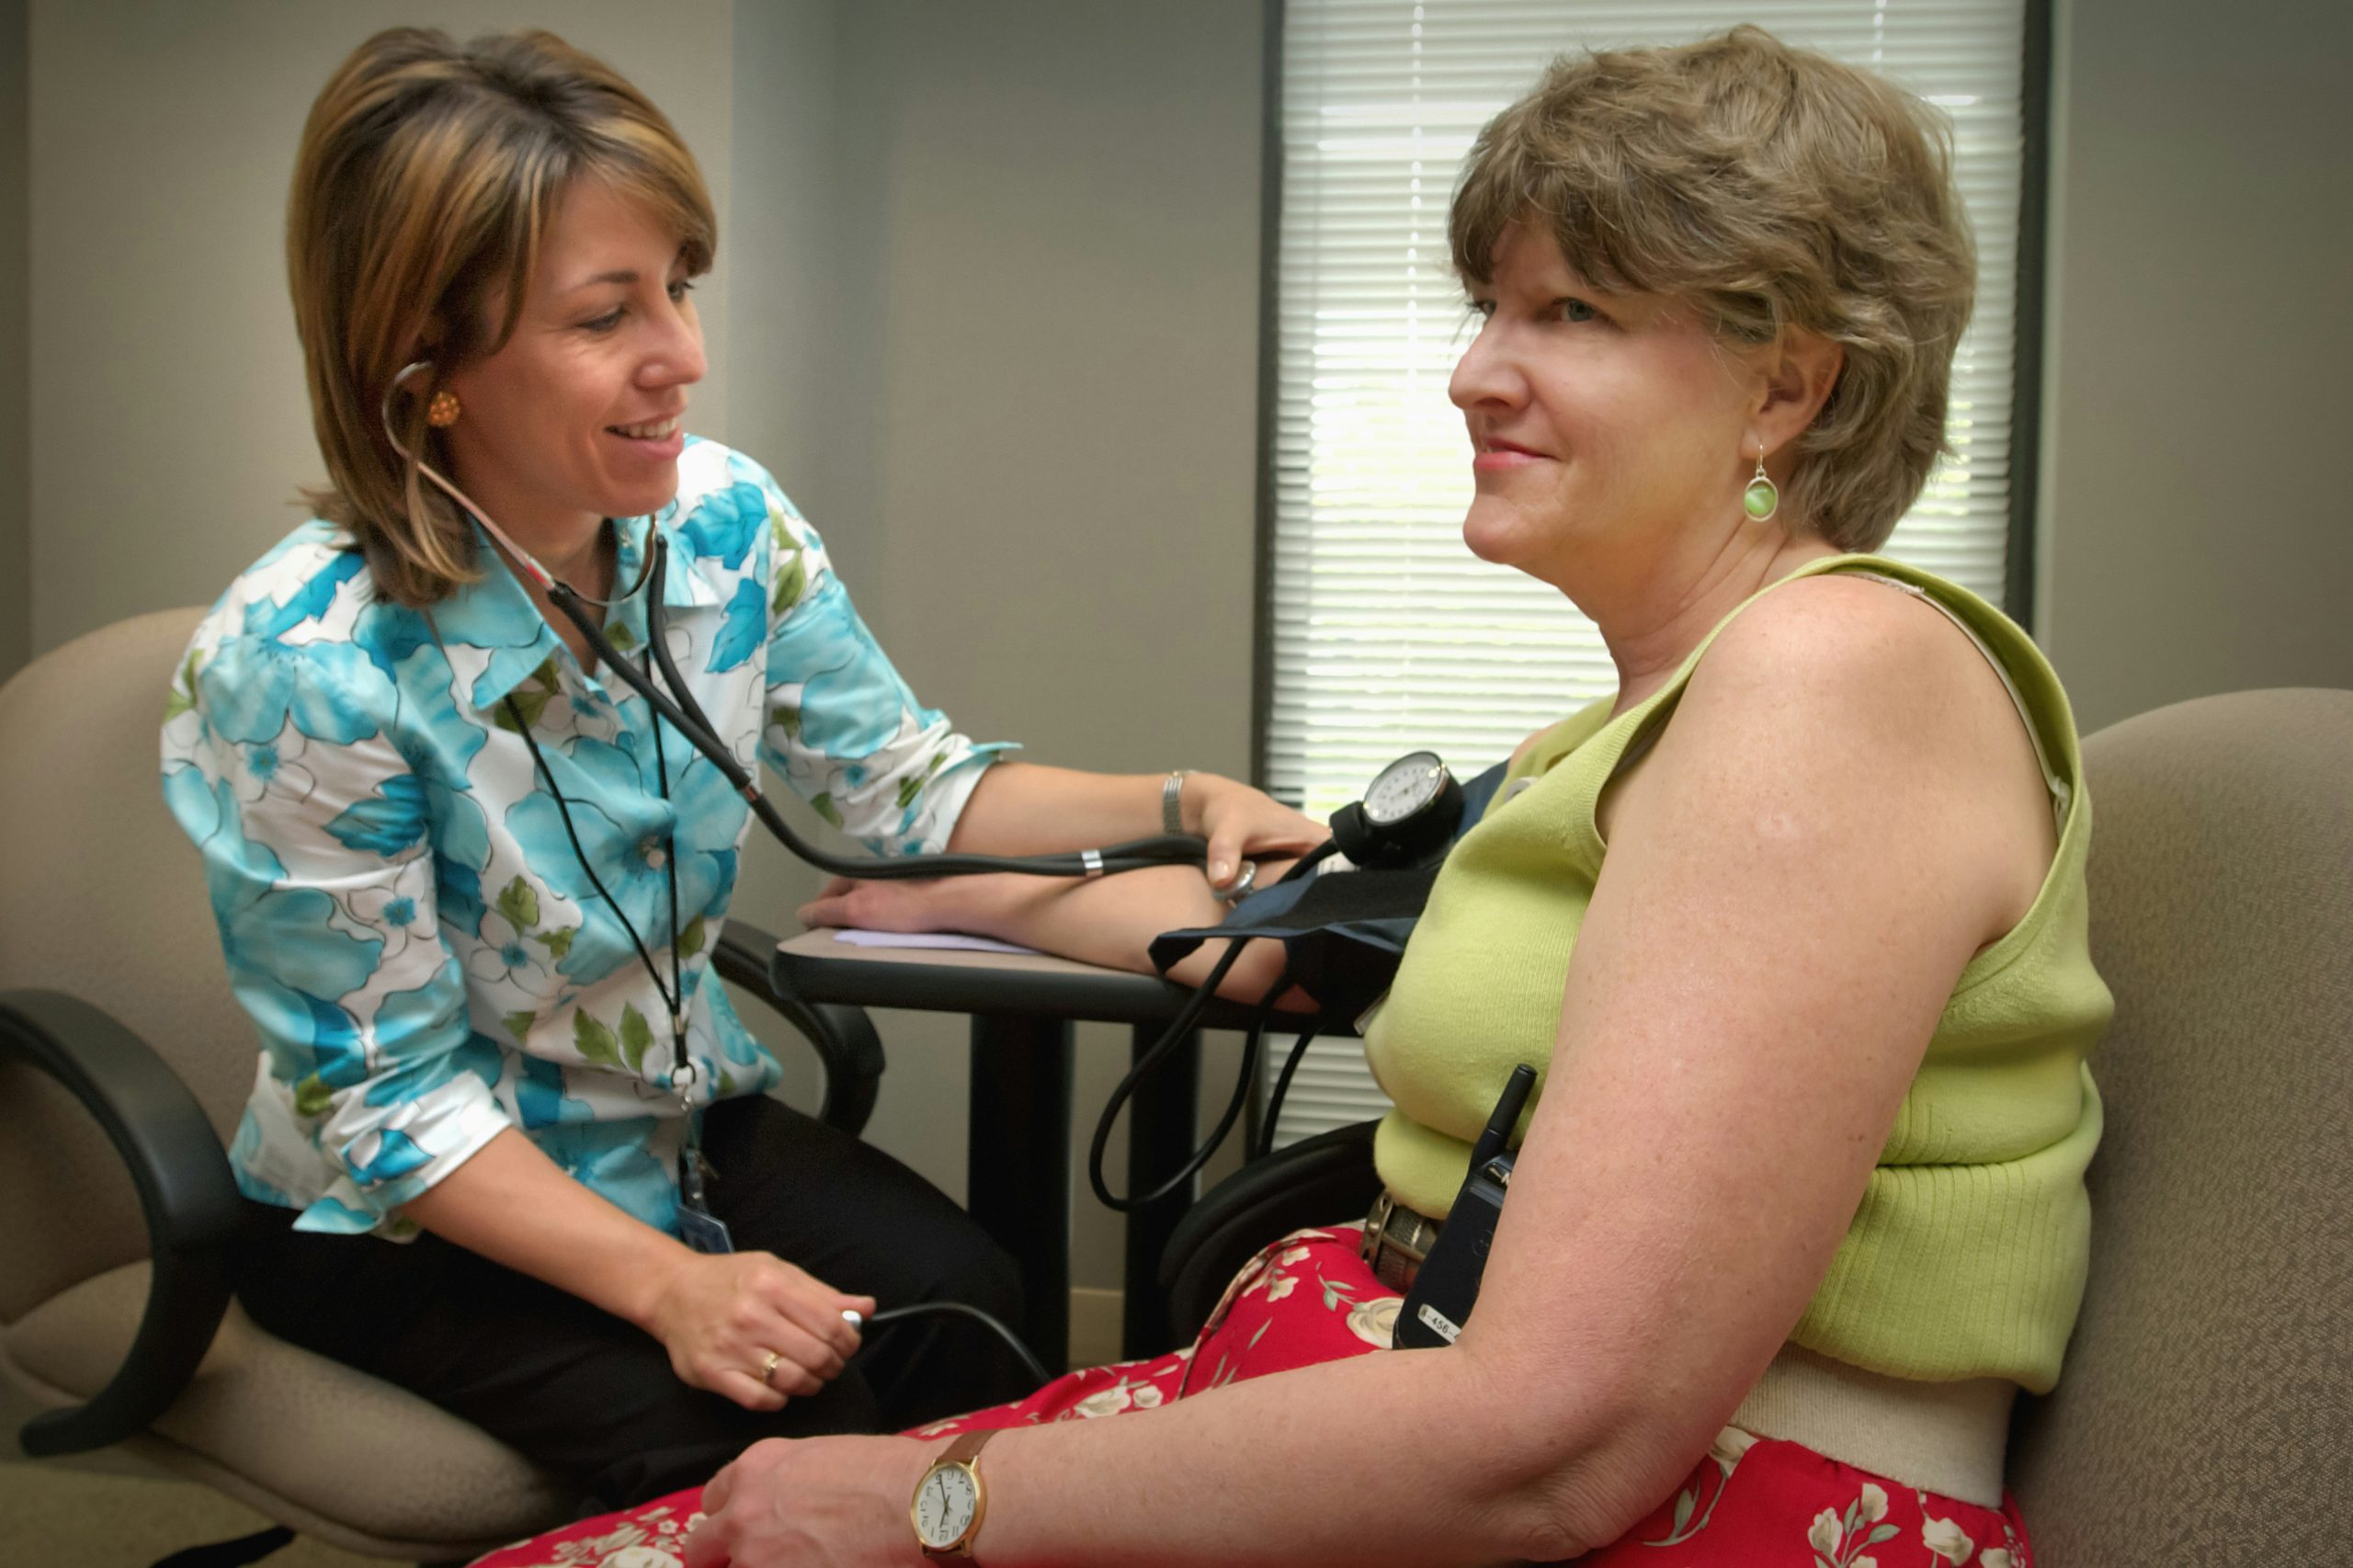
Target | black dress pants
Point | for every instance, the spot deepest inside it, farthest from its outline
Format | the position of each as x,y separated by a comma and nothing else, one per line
593,1398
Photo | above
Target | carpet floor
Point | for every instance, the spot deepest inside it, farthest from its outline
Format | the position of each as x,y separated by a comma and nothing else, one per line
84,1519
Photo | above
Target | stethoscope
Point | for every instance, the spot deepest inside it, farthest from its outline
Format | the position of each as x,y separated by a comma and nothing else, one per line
687,716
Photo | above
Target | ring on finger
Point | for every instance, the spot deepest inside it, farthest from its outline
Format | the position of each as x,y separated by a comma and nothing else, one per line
767,1367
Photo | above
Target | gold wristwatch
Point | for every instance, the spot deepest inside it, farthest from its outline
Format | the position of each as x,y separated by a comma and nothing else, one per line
950,1500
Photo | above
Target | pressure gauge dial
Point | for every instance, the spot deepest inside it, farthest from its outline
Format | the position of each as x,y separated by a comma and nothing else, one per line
1411,809
1412,783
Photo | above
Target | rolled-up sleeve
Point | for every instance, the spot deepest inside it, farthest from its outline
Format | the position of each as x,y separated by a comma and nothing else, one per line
317,848
841,725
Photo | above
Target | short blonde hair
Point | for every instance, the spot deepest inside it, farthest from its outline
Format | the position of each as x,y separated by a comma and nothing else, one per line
1770,187
428,176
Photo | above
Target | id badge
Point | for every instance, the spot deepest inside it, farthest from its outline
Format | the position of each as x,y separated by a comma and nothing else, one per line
703,1231
697,1226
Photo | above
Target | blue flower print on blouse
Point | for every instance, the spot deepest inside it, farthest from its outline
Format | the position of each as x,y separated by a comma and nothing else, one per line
853,699
635,838
287,955
728,524
324,692
744,631
387,821
402,909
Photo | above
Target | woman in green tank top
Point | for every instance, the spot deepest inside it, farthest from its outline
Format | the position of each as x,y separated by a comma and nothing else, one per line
1793,926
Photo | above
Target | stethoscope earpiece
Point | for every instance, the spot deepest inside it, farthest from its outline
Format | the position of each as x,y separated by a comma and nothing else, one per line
554,588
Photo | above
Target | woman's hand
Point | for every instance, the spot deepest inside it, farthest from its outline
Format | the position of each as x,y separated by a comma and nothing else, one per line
820,1503
979,906
720,1316
1239,821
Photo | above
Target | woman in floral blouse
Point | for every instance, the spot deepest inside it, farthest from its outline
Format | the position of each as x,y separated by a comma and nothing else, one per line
467,888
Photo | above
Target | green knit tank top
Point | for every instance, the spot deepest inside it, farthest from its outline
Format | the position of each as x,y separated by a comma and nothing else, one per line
1966,1258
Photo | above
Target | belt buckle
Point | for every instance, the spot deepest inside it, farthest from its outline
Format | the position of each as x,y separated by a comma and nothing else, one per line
1376,1222
1396,1241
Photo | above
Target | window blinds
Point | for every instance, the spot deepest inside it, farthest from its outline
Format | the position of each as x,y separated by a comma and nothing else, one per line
1386,633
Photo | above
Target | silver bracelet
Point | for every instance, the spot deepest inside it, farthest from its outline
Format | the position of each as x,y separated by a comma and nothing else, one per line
1172,800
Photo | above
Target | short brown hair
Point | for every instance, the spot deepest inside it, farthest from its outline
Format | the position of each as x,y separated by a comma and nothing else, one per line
428,174
1770,187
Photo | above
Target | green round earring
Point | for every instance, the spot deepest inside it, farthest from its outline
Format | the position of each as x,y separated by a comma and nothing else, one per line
1763,497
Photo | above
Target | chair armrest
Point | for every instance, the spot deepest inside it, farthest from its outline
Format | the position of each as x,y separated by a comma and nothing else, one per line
186,1195
843,1037
1317,1181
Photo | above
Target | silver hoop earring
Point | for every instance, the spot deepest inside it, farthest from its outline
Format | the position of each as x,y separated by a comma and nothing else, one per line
1763,497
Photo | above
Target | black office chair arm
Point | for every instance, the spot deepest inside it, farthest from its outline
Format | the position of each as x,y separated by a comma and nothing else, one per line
843,1037
1324,1180
186,1194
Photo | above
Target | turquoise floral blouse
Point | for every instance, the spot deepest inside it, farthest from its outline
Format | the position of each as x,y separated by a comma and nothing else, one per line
402,912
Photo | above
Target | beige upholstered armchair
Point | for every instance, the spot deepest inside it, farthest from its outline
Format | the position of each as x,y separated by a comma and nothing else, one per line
2206,1411
124,1065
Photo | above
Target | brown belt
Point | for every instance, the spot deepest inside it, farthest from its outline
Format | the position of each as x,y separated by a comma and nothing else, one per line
1396,1240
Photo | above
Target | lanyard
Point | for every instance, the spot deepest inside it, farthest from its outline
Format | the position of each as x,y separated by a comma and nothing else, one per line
697,1227
683,1072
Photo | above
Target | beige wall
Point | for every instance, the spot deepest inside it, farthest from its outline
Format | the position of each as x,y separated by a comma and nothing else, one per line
168,422
1008,358
2197,530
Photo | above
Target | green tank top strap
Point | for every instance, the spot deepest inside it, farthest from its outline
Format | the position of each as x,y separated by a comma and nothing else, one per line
2028,677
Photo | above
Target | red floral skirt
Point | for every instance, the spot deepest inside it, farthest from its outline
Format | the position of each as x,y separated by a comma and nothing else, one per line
1310,1299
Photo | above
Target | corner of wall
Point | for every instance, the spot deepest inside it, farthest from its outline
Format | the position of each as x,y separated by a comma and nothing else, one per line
16,369
2055,238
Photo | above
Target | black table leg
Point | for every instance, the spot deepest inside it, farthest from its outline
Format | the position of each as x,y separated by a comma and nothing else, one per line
1161,1136
1017,1162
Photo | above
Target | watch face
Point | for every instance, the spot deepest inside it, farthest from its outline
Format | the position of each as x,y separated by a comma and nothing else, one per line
1404,786
945,1503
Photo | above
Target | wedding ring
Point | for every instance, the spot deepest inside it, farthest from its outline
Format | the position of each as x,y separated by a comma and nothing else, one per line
769,1367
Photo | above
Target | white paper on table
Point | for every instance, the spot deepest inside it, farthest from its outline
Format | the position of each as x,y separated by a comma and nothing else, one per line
954,940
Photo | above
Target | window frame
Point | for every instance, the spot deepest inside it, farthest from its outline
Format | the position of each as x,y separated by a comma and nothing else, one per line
2019,554
1319,1104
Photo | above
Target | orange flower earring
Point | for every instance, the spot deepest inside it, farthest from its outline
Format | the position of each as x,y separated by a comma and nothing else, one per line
443,411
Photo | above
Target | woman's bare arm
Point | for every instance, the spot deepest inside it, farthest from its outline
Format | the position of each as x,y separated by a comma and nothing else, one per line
1022,808
1110,921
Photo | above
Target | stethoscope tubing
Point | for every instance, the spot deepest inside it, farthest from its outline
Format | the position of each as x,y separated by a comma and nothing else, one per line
686,716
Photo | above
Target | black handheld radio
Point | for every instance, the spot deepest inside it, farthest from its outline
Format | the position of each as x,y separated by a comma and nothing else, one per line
1447,1286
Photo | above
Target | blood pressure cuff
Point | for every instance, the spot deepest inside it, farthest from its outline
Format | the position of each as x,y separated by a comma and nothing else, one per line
1341,932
